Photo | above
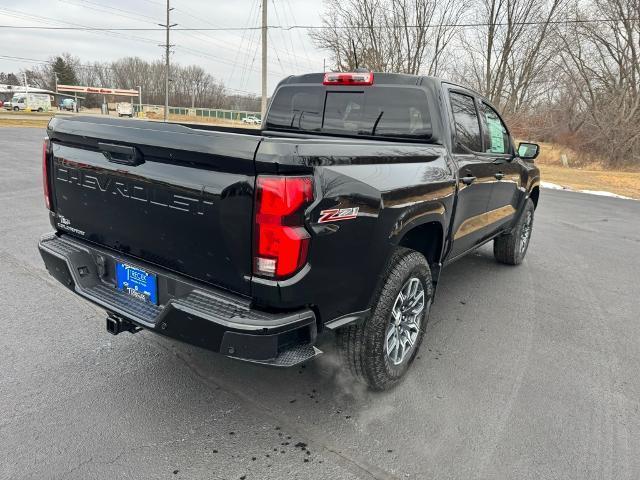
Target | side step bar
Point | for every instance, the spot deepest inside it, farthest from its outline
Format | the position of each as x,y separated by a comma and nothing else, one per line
289,358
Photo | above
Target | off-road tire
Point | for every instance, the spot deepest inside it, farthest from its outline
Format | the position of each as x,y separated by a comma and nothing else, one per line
507,248
362,346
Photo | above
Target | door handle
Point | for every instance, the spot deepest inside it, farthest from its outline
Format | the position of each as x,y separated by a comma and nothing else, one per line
499,175
468,180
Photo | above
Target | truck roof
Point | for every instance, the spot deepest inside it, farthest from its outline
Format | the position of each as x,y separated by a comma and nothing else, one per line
380,78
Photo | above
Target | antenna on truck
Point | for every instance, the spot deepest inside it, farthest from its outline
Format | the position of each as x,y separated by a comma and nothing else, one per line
355,55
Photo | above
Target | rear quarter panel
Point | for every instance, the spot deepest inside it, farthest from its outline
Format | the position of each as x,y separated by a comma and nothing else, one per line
394,186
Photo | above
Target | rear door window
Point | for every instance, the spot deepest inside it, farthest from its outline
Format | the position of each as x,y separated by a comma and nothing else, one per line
496,134
466,121
376,111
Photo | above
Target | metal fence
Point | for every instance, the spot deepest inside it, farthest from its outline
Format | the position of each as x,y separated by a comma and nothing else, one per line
198,112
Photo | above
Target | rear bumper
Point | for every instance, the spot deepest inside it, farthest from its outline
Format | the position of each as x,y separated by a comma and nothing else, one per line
187,311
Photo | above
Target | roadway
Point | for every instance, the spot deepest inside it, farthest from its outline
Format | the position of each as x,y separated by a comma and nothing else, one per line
526,372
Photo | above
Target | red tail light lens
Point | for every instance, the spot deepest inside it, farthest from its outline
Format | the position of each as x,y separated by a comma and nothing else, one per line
45,173
281,241
356,78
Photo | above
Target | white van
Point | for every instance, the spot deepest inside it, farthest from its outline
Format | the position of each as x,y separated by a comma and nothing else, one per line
124,109
35,102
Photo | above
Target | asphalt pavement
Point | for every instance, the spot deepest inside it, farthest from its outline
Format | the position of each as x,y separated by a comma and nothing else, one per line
526,372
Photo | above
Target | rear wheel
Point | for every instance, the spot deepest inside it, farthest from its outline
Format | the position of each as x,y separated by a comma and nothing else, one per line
16,109
40,109
380,350
511,248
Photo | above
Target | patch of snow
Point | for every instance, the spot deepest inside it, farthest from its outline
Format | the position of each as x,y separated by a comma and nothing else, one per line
555,186
605,194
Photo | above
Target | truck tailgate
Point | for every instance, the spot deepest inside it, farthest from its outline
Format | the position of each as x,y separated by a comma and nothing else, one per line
168,194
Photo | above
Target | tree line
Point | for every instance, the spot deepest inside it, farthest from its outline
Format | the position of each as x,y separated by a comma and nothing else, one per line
565,71
189,86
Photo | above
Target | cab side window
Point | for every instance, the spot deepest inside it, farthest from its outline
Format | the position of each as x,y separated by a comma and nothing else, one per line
465,117
495,133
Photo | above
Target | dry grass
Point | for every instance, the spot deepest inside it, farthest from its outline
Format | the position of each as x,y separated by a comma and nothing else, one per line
622,183
23,122
591,177
584,173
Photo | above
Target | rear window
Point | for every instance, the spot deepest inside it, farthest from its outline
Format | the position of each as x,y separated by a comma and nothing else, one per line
379,111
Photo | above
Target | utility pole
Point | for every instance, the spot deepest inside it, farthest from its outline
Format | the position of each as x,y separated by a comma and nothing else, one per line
26,91
55,75
140,99
167,51
263,109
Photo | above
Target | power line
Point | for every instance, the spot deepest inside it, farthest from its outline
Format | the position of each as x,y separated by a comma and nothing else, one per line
93,67
326,27
110,9
134,16
46,20
99,30
299,34
282,35
265,32
245,36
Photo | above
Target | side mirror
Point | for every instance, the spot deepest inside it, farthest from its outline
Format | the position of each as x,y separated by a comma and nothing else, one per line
528,151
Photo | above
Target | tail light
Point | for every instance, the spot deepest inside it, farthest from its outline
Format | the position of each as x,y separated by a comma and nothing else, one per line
280,239
45,173
356,78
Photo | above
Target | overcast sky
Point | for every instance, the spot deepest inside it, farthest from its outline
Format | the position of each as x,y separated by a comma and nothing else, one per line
233,57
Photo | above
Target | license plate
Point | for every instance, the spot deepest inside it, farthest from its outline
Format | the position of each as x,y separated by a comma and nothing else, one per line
137,283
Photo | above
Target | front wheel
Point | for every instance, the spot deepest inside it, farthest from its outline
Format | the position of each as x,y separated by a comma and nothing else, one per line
16,109
380,350
512,247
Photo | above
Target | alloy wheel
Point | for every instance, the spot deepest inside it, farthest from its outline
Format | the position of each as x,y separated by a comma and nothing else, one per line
404,324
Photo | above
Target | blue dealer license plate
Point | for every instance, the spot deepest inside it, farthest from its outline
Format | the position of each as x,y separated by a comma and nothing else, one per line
137,283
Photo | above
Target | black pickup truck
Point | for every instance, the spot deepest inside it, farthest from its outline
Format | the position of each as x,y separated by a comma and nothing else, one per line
338,215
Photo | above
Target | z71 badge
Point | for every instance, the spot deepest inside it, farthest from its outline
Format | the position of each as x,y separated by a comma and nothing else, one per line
338,214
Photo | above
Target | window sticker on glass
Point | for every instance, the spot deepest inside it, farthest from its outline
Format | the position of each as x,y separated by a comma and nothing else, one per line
496,133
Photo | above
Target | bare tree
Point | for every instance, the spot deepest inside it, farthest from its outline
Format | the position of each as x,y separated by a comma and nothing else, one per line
601,59
407,36
510,51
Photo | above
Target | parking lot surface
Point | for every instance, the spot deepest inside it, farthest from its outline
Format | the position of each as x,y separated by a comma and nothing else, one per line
526,372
